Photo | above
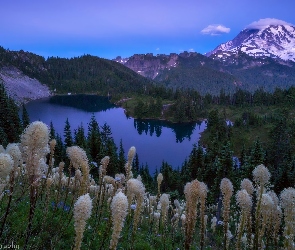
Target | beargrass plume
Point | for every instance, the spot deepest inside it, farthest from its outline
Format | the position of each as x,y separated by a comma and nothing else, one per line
60,205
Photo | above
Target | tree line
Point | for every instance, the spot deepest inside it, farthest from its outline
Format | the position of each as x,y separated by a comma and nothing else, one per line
215,158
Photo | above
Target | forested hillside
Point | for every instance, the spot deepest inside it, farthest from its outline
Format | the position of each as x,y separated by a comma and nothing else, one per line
11,125
78,75
174,208
225,71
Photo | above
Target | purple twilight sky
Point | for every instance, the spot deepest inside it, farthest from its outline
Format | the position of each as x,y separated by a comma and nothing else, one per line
108,28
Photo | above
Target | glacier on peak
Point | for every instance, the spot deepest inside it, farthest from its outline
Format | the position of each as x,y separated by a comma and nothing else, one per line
264,38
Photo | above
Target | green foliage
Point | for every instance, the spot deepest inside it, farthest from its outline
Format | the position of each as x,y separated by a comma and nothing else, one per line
68,134
10,123
93,139
79,137
25,117
121,158
212,75
78,75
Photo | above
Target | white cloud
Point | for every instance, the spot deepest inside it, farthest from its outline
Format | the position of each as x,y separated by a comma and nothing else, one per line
215,29
157,48
264,23
191,50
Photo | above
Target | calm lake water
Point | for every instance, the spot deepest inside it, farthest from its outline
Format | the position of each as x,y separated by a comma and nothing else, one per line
155,141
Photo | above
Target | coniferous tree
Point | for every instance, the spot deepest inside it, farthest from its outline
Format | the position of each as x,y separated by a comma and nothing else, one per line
79,137
25,117
139,109
110,150
3,138
106,133
135,165
193,166
52,132
60,151
9,118
121,158
68,134
257,154
146,177
219,175
226,160
94,139
245,165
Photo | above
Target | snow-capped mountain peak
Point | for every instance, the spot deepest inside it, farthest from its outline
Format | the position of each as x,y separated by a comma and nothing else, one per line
264,38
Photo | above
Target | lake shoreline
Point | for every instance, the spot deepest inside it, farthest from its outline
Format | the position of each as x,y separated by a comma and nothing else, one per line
120,102
155,140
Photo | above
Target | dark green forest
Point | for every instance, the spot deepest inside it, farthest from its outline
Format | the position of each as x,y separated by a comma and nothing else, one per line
262,128
91,74
85,74
222,151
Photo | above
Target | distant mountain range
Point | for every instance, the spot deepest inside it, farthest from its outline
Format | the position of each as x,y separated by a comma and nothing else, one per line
275,41
260,56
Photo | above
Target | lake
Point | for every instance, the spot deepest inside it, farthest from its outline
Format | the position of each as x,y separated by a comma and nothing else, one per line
154,140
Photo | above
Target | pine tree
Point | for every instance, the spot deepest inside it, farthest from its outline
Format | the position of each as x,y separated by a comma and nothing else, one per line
146,177
111,151
9,118
193,163
139,109
226,160
79,137
3,138
135,165
52,131
60,151
25,117
68,134
257,154
106,133
121,159
15,122
94,140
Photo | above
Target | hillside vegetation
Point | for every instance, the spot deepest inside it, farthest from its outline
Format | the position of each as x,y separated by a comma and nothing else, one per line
50,205
85,74
54,195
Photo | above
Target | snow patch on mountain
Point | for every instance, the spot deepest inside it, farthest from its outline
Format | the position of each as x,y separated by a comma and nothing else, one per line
265,38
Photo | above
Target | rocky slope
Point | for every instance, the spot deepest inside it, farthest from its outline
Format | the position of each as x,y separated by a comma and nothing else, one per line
260,56
23,72
21,87
149,65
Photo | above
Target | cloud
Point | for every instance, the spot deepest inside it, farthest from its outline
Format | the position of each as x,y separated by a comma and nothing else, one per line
157,48
191,50
264,23
215,29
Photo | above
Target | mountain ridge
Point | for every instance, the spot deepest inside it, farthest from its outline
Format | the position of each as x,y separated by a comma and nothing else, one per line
230,66
85,74
261,56
275,40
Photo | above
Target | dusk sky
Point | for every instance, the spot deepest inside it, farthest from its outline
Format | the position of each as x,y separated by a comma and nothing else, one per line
109,28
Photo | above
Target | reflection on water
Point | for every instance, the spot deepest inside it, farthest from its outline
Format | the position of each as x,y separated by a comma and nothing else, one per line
151,127
88,103
155,141
147,127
